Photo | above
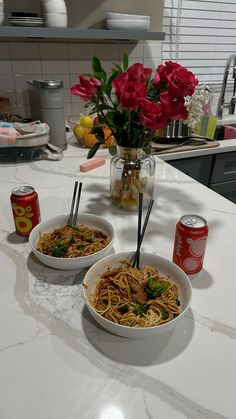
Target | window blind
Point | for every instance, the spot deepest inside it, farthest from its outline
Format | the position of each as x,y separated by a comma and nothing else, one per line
200,35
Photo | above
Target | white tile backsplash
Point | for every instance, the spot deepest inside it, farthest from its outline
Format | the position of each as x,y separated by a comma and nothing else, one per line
80,51
4,50
21,50
5,67
106,51
80,66
22,61
55,66
26,66
54,50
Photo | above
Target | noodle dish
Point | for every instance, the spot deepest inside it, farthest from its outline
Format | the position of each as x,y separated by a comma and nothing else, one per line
133,302
63,246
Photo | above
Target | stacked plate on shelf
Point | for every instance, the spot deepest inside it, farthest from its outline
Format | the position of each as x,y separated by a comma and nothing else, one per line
25,19
127,21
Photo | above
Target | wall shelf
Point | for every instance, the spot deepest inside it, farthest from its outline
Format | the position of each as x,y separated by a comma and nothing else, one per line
12,33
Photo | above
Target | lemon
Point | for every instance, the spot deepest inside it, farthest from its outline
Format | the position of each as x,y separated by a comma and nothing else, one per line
86,121
78,132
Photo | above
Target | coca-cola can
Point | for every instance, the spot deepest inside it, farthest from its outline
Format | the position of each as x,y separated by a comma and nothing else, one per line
190,243
25,209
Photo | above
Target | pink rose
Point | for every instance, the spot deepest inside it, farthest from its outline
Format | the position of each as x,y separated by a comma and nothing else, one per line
138,73
173,107
152,116
86,89
128,93
181,82
163,71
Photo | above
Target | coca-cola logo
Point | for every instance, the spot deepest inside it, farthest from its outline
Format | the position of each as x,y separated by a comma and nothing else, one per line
178,244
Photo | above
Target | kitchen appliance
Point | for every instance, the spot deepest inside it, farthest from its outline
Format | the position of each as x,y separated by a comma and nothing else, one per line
47,105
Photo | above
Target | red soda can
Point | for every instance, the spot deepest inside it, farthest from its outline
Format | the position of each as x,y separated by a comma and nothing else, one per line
25,208
190,243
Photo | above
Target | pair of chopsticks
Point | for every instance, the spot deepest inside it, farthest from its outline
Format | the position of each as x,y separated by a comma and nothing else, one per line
141,231
72,220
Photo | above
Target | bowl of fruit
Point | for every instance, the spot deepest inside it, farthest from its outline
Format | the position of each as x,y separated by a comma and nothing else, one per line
81,126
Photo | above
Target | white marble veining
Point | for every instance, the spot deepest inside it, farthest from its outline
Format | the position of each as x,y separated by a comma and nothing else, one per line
57,363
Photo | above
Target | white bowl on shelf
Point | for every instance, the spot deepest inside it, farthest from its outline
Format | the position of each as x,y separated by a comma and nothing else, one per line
1,7
120,16
55,6
56,20
91,220
127,24
164,266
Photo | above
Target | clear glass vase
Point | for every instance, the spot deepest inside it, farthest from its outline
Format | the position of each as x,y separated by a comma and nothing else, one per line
132,172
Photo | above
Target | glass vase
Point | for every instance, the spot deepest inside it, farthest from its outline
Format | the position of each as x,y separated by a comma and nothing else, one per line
132,172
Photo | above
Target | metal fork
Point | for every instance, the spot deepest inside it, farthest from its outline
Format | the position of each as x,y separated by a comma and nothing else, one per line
72,219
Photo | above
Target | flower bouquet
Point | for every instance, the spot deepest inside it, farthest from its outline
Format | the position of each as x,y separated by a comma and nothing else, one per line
134,102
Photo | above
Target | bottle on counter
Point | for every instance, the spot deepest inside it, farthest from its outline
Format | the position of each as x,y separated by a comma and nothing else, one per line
47,105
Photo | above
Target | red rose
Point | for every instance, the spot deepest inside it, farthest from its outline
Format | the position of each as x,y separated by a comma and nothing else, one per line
181,82
173,107
163,71
86,89
152,116
138,73
128,93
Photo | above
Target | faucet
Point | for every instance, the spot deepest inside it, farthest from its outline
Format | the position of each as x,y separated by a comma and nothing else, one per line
221,103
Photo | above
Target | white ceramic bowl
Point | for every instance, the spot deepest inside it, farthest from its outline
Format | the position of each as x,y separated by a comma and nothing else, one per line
1,7
90,220
127,24
120,16
164,266
56,20
55,6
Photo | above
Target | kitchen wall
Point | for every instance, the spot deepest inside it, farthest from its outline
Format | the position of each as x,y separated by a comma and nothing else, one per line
22,61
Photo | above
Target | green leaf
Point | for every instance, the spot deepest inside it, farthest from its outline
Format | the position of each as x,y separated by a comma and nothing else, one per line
154,289
59,251
96,65
140,309
117,67
113,76
113,150
125,61
123,309
89,238
93,150
98,131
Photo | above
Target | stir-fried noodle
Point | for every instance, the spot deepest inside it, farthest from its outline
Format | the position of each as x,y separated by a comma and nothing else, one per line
72,241
136,297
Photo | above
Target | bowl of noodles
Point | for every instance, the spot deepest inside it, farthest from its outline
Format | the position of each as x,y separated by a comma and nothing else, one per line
67,247
136,303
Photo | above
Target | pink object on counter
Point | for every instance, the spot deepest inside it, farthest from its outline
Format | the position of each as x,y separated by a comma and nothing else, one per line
230,132
92,164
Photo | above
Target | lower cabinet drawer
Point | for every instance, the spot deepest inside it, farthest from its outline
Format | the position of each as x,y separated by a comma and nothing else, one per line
198,168
224,167
226,189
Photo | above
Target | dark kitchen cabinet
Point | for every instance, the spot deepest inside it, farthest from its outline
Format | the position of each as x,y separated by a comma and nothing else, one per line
223,176
217,171
199,168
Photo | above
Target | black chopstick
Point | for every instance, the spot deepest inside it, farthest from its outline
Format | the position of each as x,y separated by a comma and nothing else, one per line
74,221
72,203
140,210
137,253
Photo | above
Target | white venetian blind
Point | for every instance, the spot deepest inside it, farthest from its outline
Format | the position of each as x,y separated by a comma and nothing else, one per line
200,34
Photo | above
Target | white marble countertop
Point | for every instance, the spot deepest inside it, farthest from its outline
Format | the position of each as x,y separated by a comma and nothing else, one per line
56,363
225,146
